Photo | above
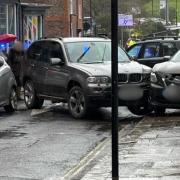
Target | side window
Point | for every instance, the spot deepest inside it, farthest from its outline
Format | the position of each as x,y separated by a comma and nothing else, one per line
134,51
34,51
56,51
51,50
169,49
151,50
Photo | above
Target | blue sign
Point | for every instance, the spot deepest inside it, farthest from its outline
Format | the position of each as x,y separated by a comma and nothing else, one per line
125,20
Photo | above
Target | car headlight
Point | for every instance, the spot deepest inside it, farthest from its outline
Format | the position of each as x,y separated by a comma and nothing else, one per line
146,70
98,80
153,77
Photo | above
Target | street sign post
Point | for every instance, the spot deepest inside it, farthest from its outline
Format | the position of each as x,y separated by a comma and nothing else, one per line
114,75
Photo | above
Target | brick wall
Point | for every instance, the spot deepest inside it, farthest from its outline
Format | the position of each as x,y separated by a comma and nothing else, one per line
57,19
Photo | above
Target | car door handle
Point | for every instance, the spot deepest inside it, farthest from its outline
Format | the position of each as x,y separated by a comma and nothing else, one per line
45,68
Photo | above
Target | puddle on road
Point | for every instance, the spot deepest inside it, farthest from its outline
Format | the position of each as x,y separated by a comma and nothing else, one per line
11,133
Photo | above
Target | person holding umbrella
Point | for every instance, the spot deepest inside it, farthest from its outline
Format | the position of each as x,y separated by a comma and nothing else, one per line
15,57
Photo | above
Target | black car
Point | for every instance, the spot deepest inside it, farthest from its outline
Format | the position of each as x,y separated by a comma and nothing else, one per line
165,85
78,71
151,52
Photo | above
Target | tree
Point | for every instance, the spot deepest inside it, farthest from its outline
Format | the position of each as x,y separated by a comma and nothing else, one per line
149,27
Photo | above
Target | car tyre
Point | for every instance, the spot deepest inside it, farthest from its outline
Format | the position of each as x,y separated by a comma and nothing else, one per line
159,111
30,97
77,102
12,106
140,110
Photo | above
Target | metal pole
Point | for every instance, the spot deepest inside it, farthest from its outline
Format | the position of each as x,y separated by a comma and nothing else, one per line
167,12
176,13
90,14
114,71
152,8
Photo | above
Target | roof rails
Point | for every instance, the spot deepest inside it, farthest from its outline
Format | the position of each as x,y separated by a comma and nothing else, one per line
101,35
47,37
161,37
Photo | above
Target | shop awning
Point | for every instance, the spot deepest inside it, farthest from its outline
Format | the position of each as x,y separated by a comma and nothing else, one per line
35,5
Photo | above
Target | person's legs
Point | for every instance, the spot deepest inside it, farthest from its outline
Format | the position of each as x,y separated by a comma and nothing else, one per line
18,87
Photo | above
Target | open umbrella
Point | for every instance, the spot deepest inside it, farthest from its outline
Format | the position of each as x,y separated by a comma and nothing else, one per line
7,38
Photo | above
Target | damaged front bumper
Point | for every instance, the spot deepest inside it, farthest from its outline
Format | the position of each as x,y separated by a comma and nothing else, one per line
166,93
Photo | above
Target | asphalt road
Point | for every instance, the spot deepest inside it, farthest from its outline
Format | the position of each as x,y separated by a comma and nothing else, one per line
46,143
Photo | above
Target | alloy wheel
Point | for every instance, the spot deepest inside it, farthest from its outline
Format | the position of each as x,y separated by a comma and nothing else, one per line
77,102
28,93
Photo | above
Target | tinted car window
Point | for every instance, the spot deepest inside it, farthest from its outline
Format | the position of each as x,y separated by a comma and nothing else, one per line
169,49
51,49
151,50
134,51
34,50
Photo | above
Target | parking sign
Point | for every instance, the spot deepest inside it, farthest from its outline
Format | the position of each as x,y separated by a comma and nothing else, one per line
125,20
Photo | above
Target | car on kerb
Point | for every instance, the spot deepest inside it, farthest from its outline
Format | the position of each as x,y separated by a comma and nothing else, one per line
154,50
8,96
78,71
165,85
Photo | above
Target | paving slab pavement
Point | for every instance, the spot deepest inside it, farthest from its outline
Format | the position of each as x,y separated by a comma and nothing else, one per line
151,151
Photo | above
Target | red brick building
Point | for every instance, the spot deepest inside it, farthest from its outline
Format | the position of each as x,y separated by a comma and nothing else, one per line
30,20
63,18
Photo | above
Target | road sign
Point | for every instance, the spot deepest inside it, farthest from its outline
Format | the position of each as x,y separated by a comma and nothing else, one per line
125,20
162,4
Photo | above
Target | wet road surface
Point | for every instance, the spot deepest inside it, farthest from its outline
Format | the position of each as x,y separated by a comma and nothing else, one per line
51,142
149,151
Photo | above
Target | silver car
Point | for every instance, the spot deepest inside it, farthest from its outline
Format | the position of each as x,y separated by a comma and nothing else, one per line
165,85
8,96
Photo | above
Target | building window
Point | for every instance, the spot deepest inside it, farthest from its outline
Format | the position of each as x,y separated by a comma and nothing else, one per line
7,19
11,19
3,19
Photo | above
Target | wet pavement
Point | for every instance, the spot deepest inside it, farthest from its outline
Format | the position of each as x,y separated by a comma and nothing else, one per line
46,144
150,151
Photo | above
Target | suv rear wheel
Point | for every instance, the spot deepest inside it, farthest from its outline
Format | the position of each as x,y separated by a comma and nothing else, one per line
77,102
12,106
159,111
30,97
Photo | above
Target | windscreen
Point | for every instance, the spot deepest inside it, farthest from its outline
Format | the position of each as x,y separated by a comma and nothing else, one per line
93,52
176,57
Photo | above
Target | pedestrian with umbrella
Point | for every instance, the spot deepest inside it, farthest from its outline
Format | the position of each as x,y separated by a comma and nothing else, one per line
15,57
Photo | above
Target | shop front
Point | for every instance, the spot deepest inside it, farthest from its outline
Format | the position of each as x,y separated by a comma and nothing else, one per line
25,20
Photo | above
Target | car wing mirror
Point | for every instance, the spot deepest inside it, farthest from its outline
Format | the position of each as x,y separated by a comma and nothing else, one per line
133,58
167,58
56,61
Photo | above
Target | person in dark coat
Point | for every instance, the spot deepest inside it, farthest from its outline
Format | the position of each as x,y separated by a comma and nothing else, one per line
15,57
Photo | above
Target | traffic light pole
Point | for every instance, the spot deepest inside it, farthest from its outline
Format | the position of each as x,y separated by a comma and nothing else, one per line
114,75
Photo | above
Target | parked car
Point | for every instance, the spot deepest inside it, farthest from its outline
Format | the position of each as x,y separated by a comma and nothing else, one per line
78,71
165,85
8,97
151,52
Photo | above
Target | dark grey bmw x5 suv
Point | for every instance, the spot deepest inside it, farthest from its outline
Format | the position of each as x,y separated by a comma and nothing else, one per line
78,71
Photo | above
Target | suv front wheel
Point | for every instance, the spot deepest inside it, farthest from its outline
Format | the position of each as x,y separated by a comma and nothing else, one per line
140,110
30,97
77,102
